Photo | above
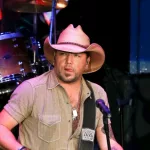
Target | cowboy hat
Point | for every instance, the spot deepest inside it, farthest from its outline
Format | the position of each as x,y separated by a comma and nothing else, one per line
74,40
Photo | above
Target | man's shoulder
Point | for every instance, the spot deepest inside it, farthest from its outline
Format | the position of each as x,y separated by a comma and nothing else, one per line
95,86
38,80
99,91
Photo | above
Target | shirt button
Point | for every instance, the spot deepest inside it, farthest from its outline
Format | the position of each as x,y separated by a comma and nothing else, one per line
69,121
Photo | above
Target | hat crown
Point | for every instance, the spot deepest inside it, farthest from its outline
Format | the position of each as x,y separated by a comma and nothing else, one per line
74,40
74,35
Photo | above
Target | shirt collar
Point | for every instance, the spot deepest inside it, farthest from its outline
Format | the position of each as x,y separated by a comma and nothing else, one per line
53,82
85,89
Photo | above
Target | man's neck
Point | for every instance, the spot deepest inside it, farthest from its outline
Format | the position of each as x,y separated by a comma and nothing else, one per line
73,85
73,91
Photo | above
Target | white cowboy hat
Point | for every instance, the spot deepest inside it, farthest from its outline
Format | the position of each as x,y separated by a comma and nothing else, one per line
74,40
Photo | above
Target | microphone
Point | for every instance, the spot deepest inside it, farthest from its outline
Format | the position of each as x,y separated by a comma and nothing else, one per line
101,105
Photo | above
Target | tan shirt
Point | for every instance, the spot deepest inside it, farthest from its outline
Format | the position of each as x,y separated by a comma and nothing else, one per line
42,108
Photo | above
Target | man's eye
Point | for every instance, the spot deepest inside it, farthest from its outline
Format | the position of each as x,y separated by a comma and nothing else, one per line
62,53
77,55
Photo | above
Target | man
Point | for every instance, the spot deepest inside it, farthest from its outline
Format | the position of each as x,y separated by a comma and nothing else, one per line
49,108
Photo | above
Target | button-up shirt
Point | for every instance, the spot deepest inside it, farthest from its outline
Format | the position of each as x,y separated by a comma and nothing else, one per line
41,107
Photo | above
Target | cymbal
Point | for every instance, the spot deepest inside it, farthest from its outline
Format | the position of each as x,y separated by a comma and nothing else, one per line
34,6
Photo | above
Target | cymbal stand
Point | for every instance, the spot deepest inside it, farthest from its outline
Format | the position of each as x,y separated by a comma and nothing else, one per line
52,31
34,46
35,34
52,37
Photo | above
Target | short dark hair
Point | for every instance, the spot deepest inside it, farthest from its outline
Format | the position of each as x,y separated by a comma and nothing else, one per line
88,54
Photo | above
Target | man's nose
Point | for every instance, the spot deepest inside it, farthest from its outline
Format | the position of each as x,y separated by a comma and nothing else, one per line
69,58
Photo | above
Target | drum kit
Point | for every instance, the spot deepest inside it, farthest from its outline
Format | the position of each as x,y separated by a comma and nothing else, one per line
16,65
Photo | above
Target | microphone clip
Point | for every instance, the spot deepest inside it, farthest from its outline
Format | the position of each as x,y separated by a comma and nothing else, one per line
103,108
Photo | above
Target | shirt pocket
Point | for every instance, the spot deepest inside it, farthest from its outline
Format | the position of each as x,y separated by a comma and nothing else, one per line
49,127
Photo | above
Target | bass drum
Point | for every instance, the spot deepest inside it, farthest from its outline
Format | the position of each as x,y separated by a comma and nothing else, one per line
14,66
14,62
14,58
7,86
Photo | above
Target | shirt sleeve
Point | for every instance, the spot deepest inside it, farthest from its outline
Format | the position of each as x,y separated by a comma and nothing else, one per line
20,104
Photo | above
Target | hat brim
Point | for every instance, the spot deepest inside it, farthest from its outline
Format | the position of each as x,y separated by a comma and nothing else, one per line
96,52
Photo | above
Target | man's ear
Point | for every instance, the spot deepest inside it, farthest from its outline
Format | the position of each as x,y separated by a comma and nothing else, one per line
54,54
54,57
88,60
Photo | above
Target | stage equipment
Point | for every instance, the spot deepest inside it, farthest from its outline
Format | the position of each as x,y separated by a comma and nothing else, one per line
34,6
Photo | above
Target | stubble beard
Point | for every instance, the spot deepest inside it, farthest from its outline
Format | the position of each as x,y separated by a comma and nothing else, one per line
65,78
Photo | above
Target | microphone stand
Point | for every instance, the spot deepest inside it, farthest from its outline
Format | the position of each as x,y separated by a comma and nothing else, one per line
106,116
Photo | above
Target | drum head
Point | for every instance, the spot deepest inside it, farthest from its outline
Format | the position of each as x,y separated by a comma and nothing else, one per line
13,52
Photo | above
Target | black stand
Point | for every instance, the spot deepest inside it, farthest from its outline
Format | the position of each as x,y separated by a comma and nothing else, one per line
121,105
52,38
35,63
126,125
105,121
106,115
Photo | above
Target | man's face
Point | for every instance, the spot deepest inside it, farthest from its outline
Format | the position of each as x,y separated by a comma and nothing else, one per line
69,67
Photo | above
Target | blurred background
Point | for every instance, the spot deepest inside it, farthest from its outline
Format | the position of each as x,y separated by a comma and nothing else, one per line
122,28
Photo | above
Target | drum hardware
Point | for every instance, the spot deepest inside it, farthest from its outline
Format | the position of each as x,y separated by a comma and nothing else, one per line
34,6
1,77
35,45
9,83
52,33
44,65
14,61
14,57
15,65
41,66
34,67
20,63
10,35
38,64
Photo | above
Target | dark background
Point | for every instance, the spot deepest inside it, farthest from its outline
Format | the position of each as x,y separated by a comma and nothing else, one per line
105,22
